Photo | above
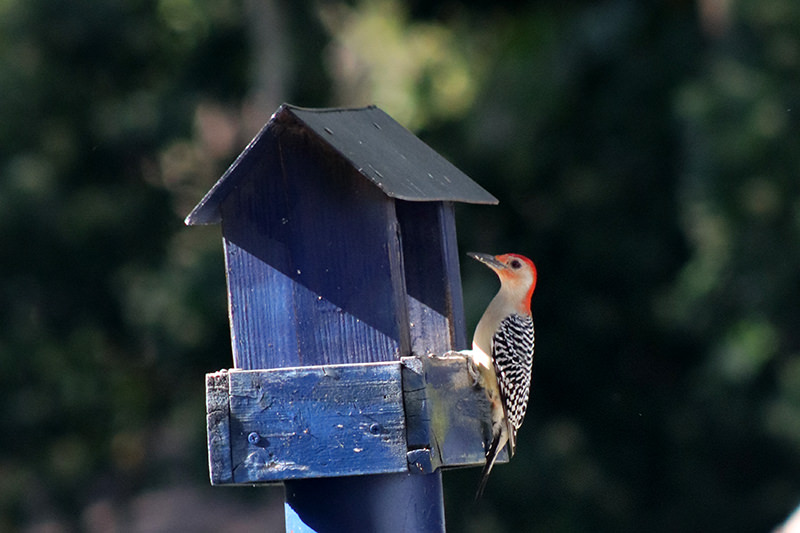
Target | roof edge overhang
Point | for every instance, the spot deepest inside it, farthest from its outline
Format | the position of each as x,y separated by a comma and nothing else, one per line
464,190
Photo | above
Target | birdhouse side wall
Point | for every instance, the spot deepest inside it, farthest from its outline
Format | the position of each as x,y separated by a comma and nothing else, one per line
433,281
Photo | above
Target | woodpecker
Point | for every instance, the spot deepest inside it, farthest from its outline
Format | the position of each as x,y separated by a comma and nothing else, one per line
502,352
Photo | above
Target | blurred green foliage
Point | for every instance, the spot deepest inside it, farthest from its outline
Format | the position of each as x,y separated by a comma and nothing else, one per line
645,155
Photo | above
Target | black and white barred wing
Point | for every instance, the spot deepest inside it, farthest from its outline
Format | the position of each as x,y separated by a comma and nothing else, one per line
512,347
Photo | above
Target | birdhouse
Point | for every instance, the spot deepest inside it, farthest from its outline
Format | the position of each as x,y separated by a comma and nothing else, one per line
343,275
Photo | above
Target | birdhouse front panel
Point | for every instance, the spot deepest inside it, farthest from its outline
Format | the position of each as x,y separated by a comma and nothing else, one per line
313,259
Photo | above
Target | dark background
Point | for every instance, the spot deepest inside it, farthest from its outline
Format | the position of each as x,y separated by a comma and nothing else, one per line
646,157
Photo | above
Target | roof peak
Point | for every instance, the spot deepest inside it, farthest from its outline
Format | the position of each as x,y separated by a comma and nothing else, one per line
380,149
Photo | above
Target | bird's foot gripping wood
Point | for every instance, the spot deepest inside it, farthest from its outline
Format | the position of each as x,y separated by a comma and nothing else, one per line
474,373
466,355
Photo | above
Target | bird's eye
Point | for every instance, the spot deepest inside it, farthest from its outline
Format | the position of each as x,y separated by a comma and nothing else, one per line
515,264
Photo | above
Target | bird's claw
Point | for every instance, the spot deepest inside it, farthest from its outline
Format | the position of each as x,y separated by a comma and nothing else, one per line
473,371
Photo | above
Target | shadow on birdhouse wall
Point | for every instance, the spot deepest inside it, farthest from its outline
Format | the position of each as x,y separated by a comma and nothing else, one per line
326,240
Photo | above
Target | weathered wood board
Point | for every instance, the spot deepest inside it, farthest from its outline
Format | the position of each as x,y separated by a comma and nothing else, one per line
414,415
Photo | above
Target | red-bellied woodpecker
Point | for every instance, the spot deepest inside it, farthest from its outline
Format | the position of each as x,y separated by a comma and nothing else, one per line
502,351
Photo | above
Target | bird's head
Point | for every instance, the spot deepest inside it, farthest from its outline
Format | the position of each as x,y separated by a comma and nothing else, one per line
517,273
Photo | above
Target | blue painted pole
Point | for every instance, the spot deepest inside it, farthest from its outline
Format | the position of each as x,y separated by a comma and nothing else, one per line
384,503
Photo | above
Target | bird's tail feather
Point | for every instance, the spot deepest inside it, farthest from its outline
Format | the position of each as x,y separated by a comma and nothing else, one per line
491,457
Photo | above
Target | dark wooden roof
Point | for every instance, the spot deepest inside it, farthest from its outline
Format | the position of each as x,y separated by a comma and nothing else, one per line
379,148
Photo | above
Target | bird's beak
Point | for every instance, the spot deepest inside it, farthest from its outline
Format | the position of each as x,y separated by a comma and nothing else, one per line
488,260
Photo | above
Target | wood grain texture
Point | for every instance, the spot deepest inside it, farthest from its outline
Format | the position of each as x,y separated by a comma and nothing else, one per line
312,259
426,283
452,273
432,277
321,421
415,415
219,428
